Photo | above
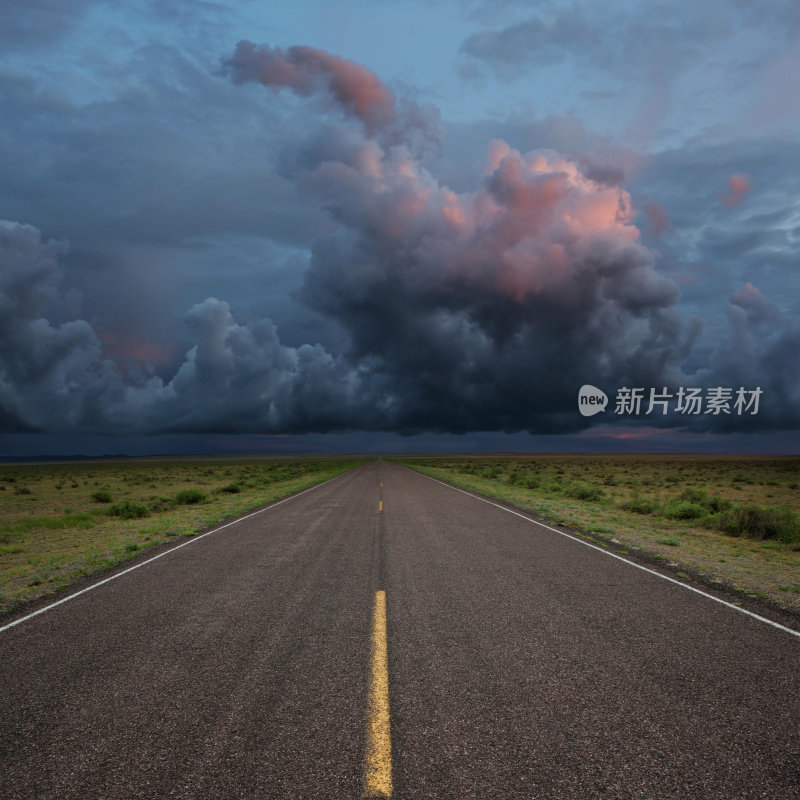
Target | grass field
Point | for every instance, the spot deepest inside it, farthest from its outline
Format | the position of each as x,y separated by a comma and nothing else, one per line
59,522
734,521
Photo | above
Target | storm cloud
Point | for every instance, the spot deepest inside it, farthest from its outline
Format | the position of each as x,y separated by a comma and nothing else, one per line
234,377
762,349
489,308
464,310
478,308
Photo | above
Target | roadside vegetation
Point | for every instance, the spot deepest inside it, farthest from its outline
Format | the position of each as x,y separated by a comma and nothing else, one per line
59,522
733,520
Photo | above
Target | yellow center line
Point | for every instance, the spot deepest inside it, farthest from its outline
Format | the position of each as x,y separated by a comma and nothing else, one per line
380,505
378,762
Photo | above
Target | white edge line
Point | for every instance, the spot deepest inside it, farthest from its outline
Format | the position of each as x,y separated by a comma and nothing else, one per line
165,553
619,558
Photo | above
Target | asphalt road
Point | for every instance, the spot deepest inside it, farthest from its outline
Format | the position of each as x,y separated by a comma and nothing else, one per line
521,664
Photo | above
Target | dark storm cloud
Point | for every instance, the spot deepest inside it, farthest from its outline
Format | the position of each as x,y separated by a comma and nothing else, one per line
761,350
747,251
42,364
489,308
234,377
460,309
166,179
483,309
714,247
478,308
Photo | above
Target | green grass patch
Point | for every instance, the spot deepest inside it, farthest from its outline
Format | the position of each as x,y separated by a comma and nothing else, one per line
158,505
129,509
759,522
26,524
190,497
640,505
581,490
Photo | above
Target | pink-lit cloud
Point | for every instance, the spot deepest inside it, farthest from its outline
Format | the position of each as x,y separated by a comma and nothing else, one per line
306,70
468,302
748,303
657,219
738,187
125,348
641,433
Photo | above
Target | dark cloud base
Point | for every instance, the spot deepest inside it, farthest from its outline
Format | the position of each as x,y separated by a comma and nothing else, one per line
17,447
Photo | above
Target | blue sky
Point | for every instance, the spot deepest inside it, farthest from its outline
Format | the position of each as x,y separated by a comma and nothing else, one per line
395,225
